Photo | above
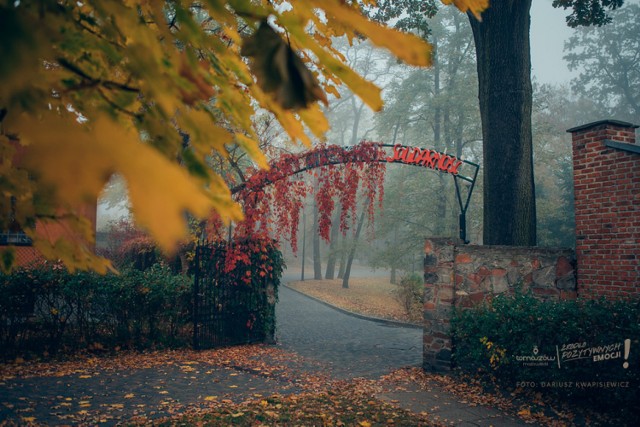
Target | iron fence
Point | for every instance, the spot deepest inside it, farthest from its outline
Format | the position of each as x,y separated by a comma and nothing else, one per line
228,310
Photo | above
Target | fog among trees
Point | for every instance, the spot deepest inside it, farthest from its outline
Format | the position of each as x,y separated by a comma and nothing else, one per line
438,108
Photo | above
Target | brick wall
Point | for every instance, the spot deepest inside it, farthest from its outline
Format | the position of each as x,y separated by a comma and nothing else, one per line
606,164
458,275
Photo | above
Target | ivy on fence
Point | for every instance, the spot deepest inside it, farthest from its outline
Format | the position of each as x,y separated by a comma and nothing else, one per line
236,289
272,200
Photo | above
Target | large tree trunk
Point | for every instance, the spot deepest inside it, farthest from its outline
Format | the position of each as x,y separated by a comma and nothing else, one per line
504,79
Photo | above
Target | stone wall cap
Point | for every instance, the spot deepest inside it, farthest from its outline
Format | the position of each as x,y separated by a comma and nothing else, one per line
603,122
535,249
624,146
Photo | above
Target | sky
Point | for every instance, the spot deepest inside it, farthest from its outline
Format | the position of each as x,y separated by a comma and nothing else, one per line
549,31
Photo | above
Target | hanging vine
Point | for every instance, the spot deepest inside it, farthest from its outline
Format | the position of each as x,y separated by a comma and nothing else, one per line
273,199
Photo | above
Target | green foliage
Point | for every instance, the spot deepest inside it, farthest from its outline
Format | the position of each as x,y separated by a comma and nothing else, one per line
410,294
588,12
49,309
489,339
408,15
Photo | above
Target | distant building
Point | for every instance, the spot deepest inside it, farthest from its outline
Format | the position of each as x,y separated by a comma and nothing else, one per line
26,254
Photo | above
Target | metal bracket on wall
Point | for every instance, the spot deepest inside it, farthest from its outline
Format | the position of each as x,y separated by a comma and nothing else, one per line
467,181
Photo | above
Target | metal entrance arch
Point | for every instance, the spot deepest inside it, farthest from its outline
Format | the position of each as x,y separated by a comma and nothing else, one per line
464,172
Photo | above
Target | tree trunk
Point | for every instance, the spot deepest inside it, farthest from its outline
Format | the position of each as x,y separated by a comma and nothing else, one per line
505,93
330,272
352,250
357,114
441,201
343,257
317,262
436,95
304,241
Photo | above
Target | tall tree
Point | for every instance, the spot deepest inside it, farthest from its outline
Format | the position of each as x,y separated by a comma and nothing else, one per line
348,117
504,90
608,59
330,272
432,108
352,249
505,95
554,111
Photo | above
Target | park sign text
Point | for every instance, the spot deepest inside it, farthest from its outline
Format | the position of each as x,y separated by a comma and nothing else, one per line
425,157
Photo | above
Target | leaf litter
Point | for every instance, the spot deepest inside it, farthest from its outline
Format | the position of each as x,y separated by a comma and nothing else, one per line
319,399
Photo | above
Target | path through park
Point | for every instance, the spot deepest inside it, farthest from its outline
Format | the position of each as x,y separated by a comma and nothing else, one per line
314,341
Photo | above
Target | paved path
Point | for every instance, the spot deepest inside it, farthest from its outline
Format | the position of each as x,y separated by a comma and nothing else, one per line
347,346
355,347
108,397
352,347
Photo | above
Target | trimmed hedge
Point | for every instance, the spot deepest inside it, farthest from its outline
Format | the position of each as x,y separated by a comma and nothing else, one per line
47,309
568,349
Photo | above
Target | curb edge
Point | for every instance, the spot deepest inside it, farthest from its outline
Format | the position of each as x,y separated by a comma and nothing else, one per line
387,322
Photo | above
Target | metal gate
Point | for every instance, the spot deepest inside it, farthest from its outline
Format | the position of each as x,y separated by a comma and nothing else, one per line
226,310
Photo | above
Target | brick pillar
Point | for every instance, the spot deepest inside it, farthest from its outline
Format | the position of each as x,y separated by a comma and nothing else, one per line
606,167
438,303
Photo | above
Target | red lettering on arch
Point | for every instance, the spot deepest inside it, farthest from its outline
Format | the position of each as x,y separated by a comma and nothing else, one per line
396,153
425,157
445,163
415,153
453,169
433,160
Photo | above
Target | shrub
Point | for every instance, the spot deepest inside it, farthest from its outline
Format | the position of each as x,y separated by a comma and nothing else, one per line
410,295
147,308
505,339
45,309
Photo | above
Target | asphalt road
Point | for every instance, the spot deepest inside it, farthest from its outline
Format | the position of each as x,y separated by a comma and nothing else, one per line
350,346
336,344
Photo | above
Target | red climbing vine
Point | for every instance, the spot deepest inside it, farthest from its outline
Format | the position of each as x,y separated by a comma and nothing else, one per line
273,199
